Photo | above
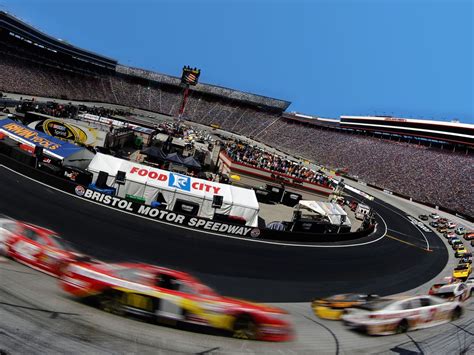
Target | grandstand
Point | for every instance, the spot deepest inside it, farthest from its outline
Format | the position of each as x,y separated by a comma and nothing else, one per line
34,63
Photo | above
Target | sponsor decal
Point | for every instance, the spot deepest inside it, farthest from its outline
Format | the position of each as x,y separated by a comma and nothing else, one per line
31,136
181,182
80,190
178,181
255,233
166,215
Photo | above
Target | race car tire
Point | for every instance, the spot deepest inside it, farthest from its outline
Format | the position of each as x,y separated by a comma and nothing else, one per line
456,314
111,301
402,327
245,328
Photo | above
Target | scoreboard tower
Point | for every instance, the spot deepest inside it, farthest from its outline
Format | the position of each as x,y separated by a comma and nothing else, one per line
190,76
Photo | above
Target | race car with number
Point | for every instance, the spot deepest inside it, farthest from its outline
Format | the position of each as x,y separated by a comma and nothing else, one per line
392,316
469,236
40,248
333,307
167,295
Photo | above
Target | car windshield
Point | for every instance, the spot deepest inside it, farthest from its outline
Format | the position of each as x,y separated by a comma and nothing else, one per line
376,305
346,298
445,295
460,267
62,244
135,275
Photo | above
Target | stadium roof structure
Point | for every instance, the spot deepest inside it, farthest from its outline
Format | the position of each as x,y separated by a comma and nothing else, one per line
452,132
29,33
312,120
257,100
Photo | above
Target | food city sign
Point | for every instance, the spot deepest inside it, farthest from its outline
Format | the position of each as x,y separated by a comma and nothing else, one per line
178,181
166,215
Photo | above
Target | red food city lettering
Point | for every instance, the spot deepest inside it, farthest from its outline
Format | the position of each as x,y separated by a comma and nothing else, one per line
205,187
150,173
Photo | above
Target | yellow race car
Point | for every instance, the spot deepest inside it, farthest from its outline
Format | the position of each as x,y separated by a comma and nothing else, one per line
333,307
462,271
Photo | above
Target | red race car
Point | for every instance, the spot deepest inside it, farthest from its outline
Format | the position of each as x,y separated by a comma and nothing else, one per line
40,248
167,295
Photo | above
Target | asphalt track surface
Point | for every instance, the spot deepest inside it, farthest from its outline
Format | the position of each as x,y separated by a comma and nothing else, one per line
261,272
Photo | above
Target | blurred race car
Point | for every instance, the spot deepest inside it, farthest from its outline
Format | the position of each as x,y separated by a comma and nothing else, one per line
442,228
333,307
451,225
462,271
462,252
457,245
442,220
465,260
452,240
449,235
423,217
434,216
168,295
470,283
454,292
39,248
460,230
434,224
446,281
391,316
469,236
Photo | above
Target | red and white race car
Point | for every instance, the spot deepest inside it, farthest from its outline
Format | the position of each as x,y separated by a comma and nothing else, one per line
39,248
168,295
392,316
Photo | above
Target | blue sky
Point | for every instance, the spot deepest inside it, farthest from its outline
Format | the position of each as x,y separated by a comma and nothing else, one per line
409,58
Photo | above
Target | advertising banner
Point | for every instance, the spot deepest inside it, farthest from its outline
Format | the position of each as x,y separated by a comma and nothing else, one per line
70,130
51,145
166,215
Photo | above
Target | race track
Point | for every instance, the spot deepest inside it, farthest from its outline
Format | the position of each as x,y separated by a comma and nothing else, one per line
261,272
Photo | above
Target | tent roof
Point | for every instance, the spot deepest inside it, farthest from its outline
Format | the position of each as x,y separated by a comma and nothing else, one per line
154,152
174,158
327,209
191,163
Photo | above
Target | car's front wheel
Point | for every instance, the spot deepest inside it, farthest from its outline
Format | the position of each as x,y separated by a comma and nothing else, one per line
245,328
402,327
456,314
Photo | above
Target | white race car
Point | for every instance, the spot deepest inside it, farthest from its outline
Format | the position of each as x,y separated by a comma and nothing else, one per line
455,292
397,315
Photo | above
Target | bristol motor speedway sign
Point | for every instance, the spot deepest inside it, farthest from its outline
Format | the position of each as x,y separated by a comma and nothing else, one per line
166,215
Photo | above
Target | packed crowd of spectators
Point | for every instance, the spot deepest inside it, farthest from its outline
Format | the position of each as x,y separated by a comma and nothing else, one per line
430,175
260,158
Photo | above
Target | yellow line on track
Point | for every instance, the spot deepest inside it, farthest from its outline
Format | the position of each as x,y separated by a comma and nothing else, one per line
408,243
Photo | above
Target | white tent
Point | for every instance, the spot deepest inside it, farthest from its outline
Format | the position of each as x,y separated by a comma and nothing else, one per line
145,181
332,211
